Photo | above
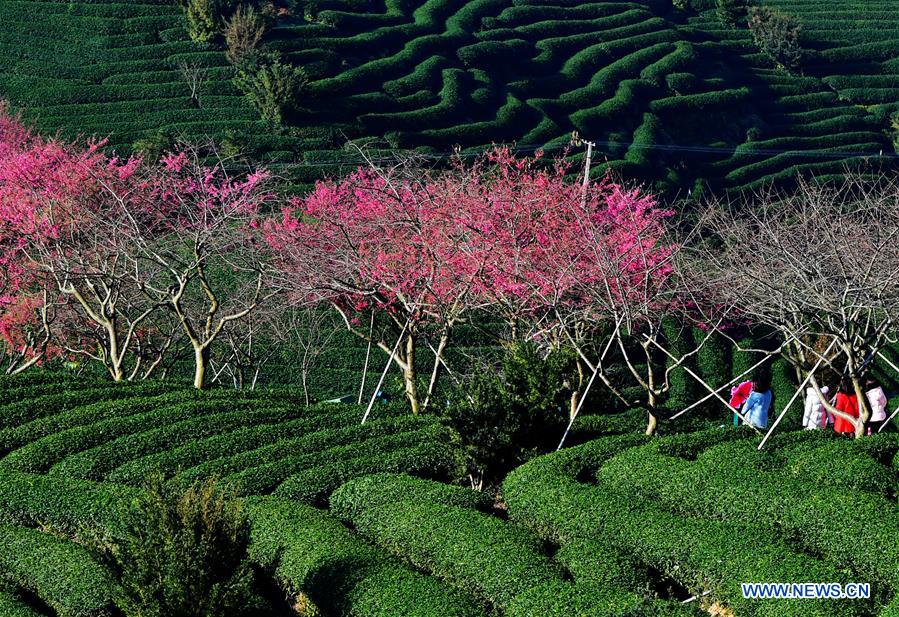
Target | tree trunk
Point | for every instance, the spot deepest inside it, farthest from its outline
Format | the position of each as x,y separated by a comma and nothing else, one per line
576,391
651,400
113,358
863,412
201,361
652,422
410,376
304,372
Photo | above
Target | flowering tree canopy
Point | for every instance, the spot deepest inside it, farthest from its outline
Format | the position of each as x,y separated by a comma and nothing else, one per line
62,205
117,240
514,236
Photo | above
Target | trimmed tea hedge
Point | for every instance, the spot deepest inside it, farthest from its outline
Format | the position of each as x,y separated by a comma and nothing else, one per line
482,555
59,572
819,517
309,551
309,432
545,496
383,488
12,604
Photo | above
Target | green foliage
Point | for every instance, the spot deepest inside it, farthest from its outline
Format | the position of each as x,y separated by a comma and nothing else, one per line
507,417
11,605
451,547
42,454
699,553
777,35
29,408
59,572
204,18
309,551
683,386
393,70
730,12
63,504
713,360
383,488
180,553
413,444
243,33
722,484
272,86
562,599
155,144
319,427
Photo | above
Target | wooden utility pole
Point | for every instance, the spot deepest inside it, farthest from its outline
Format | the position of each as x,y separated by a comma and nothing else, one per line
578,141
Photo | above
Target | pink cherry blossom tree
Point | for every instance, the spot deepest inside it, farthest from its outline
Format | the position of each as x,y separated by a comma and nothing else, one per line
194,244
62,205
388,241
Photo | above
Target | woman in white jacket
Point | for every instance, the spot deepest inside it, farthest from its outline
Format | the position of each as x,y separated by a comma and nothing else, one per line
815,416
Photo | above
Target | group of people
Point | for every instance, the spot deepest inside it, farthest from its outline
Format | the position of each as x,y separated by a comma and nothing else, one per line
753,400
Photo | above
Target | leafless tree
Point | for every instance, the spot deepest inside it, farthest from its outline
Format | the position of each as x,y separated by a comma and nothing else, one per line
643,289
194,74
819,265
312,329
87,268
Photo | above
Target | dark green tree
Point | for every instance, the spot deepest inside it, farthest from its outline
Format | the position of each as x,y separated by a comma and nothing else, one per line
777,35
507,416
180,553
273,87
730,12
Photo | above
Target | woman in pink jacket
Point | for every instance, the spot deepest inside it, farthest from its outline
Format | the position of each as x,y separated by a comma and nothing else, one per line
878,403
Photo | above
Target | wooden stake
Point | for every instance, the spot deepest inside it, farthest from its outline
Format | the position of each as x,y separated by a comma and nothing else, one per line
892,415
725,386
793,398
384,373
371,330
589,383
690,372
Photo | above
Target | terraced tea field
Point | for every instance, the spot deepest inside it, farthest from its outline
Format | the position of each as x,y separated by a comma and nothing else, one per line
672,98
360,520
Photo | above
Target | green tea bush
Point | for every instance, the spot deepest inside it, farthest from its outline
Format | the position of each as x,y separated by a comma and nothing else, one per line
434,459
63,504
180,553
59,572
700,554
596,562
563,599
311,552
494,54
452,546
39,456
833,465
733,493
12,605
309,431
277,458
699,102
383,488
33,407
96,462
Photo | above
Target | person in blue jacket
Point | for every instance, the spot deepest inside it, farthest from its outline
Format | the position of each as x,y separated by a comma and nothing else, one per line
755,409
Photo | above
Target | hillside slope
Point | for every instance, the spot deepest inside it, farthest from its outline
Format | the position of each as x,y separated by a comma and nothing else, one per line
671,97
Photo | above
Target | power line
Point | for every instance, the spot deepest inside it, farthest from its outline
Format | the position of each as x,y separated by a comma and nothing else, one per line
530,148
